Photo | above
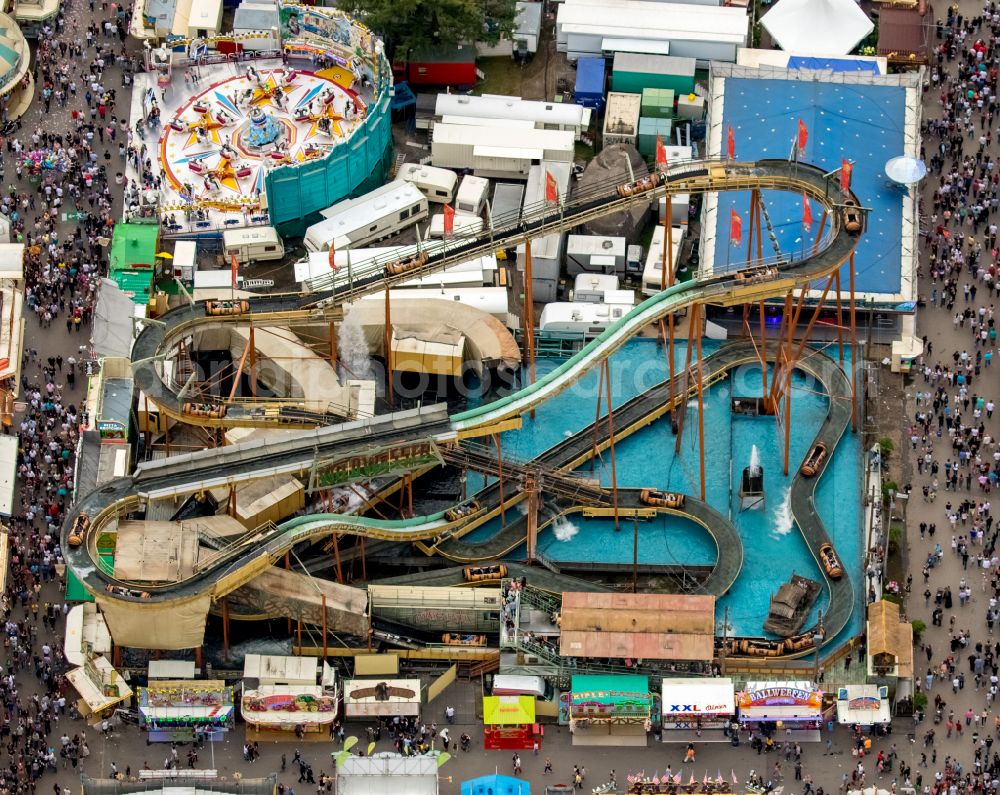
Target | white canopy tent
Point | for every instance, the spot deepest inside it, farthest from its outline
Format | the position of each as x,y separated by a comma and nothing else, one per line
817,27
865,705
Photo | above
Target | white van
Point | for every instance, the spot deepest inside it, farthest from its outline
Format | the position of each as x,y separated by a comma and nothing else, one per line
471,194
252,244
463,226
437,184
516,685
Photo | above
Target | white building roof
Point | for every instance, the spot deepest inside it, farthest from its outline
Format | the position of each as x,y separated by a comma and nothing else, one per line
817,27
643,19
531,140
503,107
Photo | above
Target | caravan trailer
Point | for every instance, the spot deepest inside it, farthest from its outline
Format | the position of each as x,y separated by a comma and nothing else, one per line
252,244
377,215
472,194
652,274
588,319
437,184
464,225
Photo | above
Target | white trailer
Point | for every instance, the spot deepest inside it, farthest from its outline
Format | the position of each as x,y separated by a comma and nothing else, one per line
491,300
185,260
590,319
472,193
546,252
464,225
508,197
498,152
652,274
437,184
595,254
590,288
482,121
377,215
543,115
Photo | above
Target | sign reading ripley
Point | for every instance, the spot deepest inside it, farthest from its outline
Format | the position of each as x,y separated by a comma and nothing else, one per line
377,462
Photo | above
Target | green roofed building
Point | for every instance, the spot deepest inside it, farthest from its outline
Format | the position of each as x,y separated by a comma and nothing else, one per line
133,257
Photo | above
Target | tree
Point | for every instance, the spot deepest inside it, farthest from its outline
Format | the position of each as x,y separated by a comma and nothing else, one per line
407,25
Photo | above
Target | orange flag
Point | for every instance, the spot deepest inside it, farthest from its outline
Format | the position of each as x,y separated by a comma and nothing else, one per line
551,189
333,257
731,143
807,213
735,228
803,137
236,270
449,220
661,154
846,168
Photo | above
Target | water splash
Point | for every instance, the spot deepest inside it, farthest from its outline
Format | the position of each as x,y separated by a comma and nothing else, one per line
782,521
754,461
563,529
352,348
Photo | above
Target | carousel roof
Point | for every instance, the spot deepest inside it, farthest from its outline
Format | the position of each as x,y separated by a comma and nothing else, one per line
13,48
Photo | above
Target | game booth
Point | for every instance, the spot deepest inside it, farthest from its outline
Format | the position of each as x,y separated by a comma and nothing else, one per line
610,710
289,708
379,698
696,705
178,710
796,706
866,706
509,723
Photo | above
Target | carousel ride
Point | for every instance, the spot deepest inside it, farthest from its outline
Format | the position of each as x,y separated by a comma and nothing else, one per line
216,149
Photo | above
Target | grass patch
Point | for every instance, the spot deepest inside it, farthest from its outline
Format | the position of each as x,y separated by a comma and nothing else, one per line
503,76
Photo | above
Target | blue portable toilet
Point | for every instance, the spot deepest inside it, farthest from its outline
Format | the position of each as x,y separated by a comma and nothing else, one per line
496,785
590,83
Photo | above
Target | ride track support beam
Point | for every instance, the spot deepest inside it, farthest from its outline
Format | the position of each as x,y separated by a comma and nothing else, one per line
687,377
698,308
335,539
854,350
595,447
529,315
531,551
503,515
611,439
840,320
387,342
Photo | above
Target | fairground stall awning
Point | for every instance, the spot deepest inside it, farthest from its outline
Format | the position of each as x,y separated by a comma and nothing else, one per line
372,698
288,706
610,698
692,697
785,701
508,710
387,774
185,702
100,686
496,785
865,705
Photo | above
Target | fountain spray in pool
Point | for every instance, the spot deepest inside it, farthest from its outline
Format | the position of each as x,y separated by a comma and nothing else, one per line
353,350
782,520
752,483
563,529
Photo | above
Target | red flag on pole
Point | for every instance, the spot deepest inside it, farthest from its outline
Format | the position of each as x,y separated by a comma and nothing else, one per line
661,154
807,213
803,137
735,228
236,270
449,220
551,188
731,143
333,257
846,167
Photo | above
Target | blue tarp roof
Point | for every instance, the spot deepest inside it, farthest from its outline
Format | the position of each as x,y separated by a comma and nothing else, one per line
836,64
590,77
496,785
403,97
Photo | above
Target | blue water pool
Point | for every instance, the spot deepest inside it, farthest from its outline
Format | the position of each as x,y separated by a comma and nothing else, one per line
773,546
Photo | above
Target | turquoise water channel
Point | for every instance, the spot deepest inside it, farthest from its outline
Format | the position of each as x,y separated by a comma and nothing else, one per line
773,546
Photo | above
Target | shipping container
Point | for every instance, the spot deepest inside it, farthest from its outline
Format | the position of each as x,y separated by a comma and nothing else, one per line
634,72
497,152
505,208
356,222
437,184
543,115
472,193
595,254
649,129
652,274
446,66
657,103
590,78
704,32
621,120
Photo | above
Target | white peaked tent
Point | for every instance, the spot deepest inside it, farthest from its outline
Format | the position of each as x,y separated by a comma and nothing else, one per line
817,27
